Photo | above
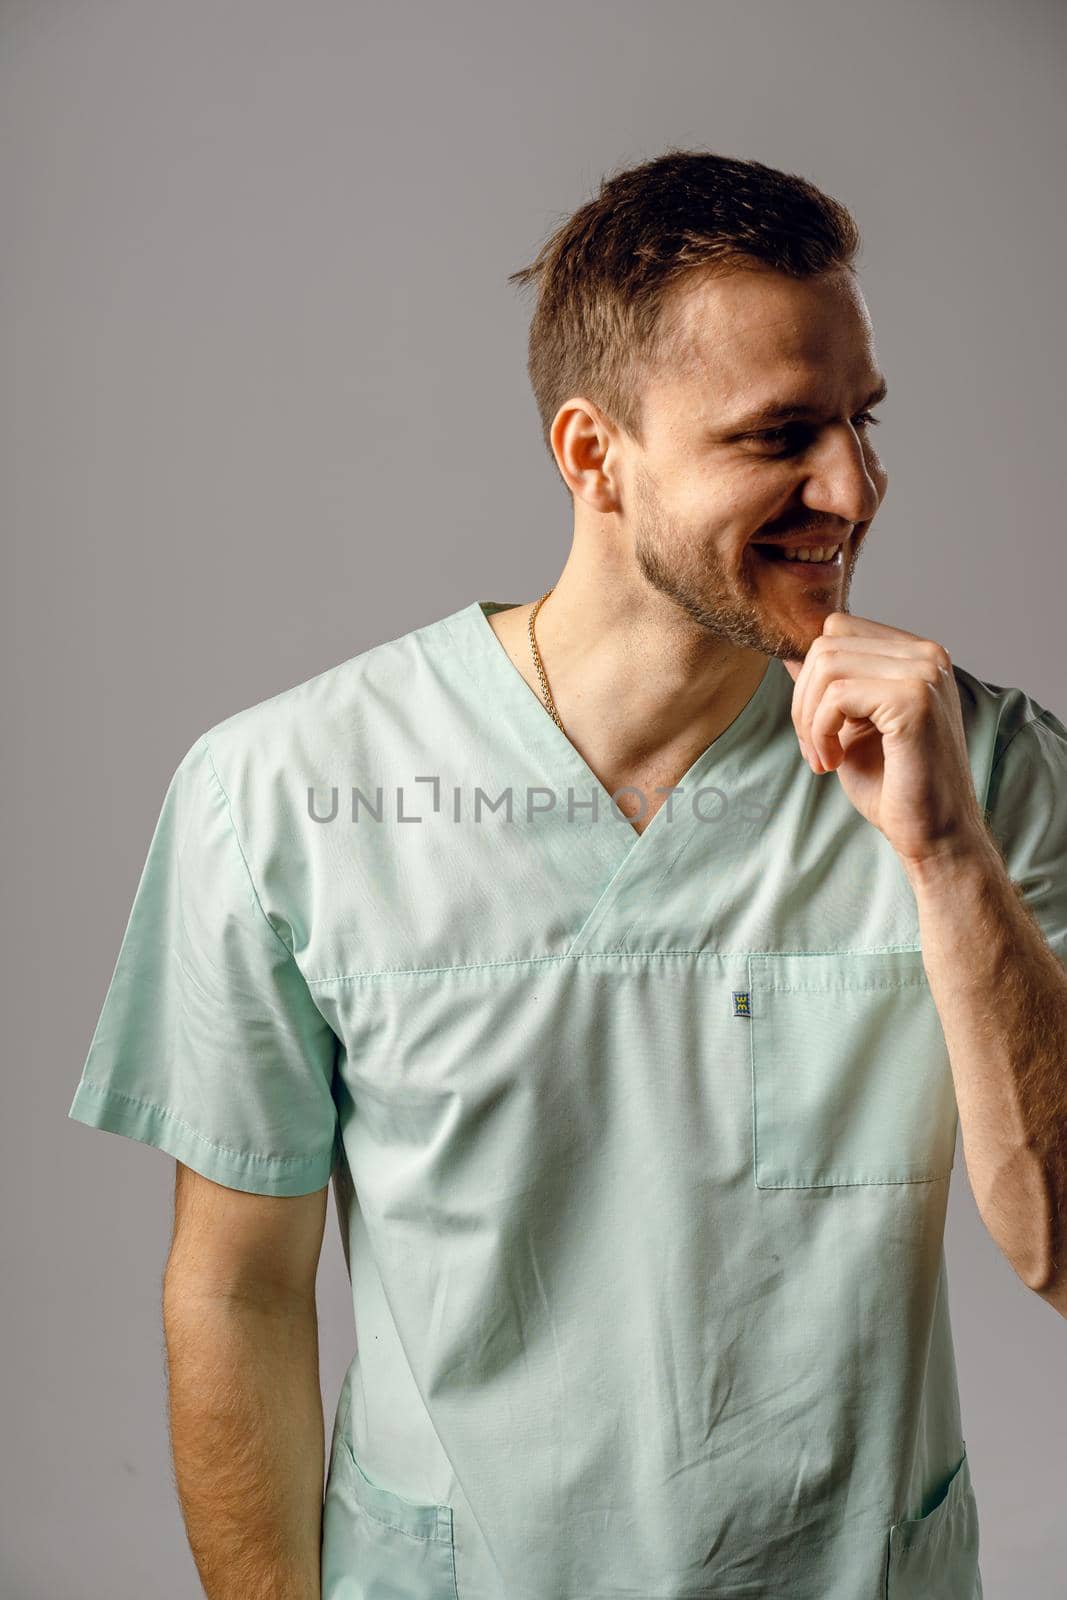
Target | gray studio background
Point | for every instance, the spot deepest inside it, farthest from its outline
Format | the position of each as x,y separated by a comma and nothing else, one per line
264,405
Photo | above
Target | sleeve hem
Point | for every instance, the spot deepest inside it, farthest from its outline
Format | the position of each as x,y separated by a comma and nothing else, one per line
154,1125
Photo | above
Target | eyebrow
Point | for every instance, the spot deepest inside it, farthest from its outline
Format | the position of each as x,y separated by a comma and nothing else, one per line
779,411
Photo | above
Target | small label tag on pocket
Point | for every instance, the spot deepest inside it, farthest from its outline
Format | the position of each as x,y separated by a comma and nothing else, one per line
741,1003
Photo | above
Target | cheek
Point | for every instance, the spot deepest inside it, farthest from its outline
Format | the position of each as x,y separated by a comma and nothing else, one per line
727,508
766,497
757,479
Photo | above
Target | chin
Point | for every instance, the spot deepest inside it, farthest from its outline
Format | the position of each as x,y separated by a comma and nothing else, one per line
794,643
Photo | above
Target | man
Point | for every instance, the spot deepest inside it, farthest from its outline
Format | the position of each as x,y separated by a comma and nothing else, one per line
641,1115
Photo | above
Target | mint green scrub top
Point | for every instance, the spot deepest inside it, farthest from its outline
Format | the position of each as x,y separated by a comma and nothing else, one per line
641,1143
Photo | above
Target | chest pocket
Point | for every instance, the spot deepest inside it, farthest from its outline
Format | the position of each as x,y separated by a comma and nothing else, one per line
851,1079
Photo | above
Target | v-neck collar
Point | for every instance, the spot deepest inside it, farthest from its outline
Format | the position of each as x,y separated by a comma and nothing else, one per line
638,866
548,744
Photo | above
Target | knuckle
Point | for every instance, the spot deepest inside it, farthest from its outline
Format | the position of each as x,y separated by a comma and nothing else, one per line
937,654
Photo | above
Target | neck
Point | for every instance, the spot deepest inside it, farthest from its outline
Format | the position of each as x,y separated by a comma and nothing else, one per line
640,688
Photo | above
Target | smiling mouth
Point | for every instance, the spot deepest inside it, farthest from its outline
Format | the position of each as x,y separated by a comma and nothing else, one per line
826,558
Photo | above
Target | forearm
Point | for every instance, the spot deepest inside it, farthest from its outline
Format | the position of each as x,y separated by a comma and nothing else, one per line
247,1440
1001,994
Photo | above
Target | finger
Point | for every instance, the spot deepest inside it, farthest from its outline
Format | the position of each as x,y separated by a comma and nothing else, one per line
895,644
855,702
823,664
846,622
890,706
845,668
856,642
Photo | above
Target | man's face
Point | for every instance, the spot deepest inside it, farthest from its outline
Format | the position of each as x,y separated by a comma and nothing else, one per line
713,479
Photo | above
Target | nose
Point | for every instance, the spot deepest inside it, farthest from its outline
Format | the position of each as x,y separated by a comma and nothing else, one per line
845,479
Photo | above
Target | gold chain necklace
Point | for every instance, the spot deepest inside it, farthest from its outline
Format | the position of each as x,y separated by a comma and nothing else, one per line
546,692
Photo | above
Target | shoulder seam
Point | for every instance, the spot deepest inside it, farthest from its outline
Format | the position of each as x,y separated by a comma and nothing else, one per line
240,851
1029,723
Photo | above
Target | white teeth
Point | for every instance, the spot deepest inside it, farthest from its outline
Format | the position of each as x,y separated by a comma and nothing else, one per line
821,552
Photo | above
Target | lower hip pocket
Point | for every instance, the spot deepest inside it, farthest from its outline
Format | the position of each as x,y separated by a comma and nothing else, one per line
935,1557
377,1545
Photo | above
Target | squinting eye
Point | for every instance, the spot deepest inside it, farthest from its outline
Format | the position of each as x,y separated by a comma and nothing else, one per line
782,436
787,435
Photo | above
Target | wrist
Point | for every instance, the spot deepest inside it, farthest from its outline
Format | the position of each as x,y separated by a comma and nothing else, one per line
945,868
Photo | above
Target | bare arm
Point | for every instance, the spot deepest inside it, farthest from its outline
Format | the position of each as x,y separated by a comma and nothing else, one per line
245,1408
1001,993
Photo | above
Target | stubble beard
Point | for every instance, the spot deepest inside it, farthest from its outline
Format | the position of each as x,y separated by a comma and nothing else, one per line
717,598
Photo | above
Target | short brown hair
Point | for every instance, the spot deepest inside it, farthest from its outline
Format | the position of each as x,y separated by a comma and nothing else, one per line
603,317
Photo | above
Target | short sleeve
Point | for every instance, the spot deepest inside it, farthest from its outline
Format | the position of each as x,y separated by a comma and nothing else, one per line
209,1044
1026,810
